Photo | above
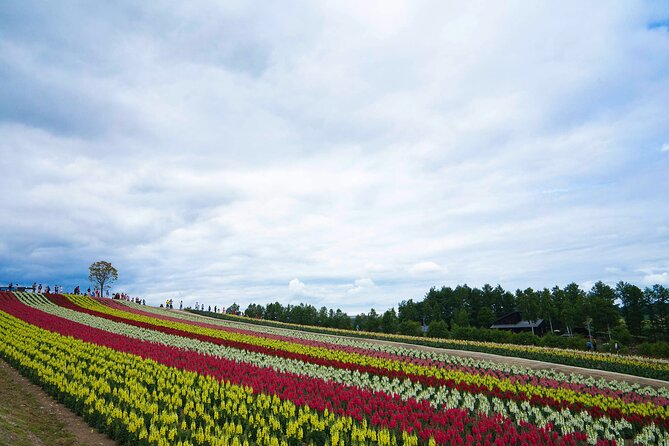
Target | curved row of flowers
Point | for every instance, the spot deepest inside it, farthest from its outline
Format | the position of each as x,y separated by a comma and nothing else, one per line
396,351
422,357
634,365
564,421
343,414
545,378
598,404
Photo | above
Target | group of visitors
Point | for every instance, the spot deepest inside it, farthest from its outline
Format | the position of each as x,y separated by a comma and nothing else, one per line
592,346
91,293
201,307
46,289
59,289
35,288
124,296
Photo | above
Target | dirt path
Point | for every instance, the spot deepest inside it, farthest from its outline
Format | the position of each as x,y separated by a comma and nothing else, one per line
521,362
30,417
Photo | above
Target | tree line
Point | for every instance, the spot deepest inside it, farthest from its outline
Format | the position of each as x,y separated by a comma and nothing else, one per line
625,312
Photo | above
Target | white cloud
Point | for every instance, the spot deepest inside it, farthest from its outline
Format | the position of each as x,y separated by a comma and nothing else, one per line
363,284
375,267
150,153
366,282
656,278
665,147
587,285
295,286
425,268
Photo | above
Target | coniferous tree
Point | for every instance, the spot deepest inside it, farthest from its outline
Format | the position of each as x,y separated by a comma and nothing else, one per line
600,307
408,311
573,307
461,318
633,305
485,317
373,321
389,321
658,308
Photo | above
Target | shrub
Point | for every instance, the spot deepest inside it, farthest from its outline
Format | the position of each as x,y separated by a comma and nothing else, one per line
464,333
526,338
437,329
622,334
576,342
411,328
551,340
658,349
501,336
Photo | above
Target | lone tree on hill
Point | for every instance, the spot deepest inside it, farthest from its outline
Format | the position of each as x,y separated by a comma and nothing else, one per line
102,273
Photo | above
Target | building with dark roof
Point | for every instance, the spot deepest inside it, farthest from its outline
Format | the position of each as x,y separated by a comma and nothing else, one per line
514,322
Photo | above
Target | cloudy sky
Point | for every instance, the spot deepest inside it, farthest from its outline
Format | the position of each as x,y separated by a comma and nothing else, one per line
348,154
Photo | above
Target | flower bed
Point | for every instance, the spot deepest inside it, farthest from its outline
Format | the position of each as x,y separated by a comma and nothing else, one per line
353,393
633,365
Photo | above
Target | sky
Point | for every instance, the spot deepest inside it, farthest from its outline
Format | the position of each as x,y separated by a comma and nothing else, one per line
347,154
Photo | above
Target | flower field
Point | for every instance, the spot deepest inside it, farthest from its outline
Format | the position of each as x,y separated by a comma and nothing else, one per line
149,376
632,365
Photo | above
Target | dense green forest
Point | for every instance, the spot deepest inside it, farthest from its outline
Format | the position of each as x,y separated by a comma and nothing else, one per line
626,313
